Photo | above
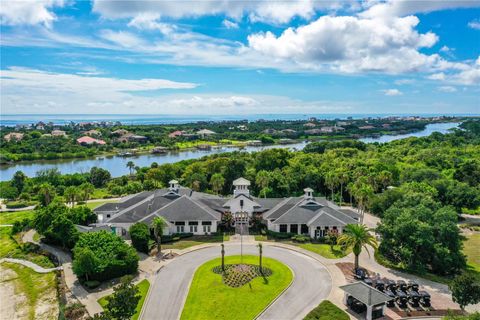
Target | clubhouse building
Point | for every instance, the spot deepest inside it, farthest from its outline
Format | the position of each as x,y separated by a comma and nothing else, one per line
200,213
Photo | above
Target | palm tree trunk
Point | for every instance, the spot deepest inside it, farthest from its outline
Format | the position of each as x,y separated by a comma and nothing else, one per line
356,262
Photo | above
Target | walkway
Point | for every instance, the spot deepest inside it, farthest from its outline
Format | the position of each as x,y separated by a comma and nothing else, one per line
312,283
30,265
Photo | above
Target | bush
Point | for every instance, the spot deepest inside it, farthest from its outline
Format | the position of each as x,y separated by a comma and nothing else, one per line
19,226
92,284
300,238
327,311
183,235
140,235
16,204
280,235
112,257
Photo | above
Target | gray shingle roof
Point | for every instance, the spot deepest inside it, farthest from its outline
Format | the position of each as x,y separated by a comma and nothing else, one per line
366,294
297,214
288,204
124,203
184,209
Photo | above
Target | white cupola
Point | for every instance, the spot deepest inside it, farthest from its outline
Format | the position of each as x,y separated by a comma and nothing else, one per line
241,187
308,193
173,185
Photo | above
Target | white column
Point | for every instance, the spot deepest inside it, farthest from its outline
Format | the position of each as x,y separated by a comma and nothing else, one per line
369,313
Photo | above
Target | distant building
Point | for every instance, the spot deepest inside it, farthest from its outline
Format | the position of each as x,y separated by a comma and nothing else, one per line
254,143
175,134
310,125
366,127
13,136
313,131
40,126
205,132
159,150
86,140
130,137
93,133
269,131
58,133
120,132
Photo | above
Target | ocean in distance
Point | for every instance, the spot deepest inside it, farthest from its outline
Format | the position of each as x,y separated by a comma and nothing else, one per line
139,119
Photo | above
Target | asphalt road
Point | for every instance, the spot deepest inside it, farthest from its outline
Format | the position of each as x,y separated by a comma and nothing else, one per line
312,283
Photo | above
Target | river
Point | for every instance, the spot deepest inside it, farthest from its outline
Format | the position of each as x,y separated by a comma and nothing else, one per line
117,165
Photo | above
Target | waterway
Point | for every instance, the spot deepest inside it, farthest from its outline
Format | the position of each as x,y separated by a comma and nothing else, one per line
117,165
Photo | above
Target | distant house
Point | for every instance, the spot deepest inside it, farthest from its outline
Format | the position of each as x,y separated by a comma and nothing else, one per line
120,132
313,131
255,143
130,137
329,129
286,141
269,131
175,134
40,126
58,133
86,140
310,125
289,131
13,136
366,127
205,132
93,133
159,150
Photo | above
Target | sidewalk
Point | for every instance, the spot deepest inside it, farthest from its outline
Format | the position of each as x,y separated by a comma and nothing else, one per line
30,265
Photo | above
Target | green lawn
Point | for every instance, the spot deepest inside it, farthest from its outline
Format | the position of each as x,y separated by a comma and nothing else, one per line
471,249
39,290
11,217
209,298
327,311
193,241
143,289
93,205
319,248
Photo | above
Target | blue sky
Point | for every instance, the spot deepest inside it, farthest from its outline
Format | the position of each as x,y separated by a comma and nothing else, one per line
240,57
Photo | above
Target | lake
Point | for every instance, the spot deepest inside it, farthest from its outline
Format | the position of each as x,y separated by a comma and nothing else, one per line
117,165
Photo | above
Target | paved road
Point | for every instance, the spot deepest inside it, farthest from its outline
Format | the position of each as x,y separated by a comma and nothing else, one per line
311,284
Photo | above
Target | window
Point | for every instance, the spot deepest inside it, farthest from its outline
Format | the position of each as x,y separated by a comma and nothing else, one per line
179,223
206,229
206,223
304,229
193,223
241,203
193,229
283,228
180,229
294,228
108,216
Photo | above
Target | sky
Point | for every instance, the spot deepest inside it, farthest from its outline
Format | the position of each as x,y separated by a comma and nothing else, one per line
236,57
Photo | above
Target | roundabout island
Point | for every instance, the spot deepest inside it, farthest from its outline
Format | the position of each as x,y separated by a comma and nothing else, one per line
191,286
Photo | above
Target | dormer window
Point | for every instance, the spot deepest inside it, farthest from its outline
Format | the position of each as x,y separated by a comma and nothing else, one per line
241,203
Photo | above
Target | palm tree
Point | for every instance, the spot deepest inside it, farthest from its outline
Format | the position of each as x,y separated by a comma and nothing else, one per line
357,236
159,223
70,195
331,180
343,178
263,180
46,193
86,189
260,251
130,166
223,257
217,181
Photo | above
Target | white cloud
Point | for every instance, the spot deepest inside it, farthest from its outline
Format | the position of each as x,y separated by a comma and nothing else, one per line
474,24
230,24
350,44
214,102
122,38
437,76
401,8
29,12
401,82
467,74
149,21
448,89
260,10
392,92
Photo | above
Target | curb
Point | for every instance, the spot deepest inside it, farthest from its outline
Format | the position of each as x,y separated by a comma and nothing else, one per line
278,296
146,296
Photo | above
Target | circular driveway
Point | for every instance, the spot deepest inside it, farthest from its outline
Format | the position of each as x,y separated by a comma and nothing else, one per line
311,283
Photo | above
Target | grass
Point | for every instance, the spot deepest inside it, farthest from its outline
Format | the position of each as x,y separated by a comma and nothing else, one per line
34,286
193,241
93,205
12,217
143,289
327,311
471,250
319,248
209,298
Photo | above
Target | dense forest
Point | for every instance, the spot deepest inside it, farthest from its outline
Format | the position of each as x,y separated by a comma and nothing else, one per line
416,185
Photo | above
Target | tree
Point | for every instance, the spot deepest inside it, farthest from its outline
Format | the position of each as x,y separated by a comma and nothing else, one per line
140,235
46,193
86,190
82,215
217,181
331,180
99,177
260,253
63,231
263,180
130,166
159,223
122,304
114,257
465,289
357,236
18,181
71,194
223,257
85,263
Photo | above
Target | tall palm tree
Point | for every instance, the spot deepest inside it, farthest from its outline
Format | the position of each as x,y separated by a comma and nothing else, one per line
46,193
130,166
223,257
331,180
86,189
263,180
159,223
217,181
70,194
342,179
357,236
260,251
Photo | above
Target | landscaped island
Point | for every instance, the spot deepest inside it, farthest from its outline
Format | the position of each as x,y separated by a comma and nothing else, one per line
211,298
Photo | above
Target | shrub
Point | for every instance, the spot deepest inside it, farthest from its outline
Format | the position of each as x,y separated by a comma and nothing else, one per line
280,235
16,204
140,235
300,238
326,311
92,284
112,256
